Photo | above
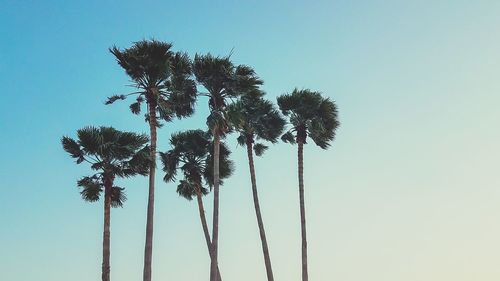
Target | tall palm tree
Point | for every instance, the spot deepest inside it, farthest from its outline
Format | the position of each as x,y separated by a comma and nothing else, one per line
112,154
163,80
222,80
256,119
314,116
192,154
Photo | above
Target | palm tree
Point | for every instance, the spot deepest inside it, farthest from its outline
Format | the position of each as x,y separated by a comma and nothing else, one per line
256,118
314,116
112,154
163,80
192,154
222,80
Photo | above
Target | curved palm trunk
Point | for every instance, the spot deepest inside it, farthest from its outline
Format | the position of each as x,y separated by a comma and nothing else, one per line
108,184
148,249
204,224
265,250
215,226
302,209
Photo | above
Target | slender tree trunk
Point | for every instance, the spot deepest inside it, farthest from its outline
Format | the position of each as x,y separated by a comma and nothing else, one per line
108,185
302,209
215,226
265,250
204,224
148,249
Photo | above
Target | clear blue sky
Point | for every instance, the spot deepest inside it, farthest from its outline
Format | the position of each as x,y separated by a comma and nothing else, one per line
409,190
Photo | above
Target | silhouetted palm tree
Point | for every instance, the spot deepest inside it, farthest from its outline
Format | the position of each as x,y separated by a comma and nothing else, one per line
314,116
192,154
163,80
222,80
256,119
112,154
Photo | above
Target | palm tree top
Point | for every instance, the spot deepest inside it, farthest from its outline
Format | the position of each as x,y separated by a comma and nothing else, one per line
111,153
192,155
223,79
162,77
255,118
310,114
147,62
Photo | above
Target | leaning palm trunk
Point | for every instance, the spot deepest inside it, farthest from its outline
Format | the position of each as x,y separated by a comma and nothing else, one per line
215,227
204,224
106,233
302,210
148,249
265,250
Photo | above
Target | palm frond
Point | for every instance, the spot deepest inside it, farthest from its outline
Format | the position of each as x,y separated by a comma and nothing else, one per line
73,148
259,149
91,188
118,196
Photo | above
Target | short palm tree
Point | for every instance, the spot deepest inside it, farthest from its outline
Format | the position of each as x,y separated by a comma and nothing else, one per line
111,154
192,154
256,119
222,80
313,116
163,80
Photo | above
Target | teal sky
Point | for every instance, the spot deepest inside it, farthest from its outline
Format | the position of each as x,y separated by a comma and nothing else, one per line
409,190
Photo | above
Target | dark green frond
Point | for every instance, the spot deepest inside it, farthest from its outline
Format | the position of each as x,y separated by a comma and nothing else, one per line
139,163
118,197
91,188
135,107
73,148
259,149
90,140
186,189
244,81
165,110
170,162
288,137
242,140
114,98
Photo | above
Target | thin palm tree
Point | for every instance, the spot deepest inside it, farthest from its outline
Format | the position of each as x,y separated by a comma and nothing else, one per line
255,118
192,154
222,80
314,116
163,80
112,154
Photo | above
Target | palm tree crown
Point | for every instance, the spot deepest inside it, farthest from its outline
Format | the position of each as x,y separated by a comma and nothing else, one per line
161,76
192,154
310,115
223,80
111,153
255,118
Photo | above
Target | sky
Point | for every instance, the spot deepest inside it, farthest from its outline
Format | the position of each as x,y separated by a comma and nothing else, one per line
409,189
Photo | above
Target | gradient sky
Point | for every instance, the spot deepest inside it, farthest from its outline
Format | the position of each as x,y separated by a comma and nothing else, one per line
409,190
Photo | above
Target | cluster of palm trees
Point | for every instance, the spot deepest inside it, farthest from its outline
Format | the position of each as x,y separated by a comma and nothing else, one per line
169,83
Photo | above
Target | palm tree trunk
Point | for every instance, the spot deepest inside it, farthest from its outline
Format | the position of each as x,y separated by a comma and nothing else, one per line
148,249
302,209
215,226
204,224
265,250
108,185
